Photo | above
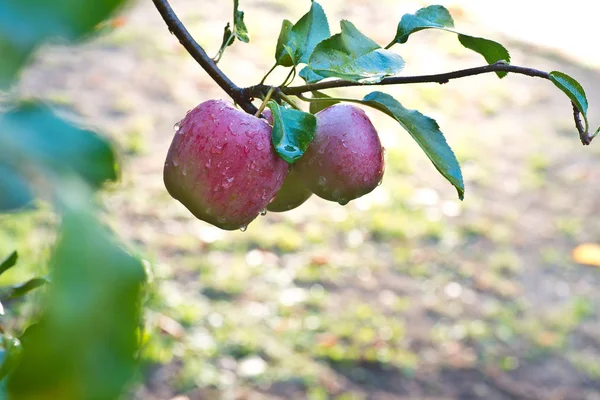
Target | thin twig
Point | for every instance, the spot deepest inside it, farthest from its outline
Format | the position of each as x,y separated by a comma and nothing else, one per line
197,52
583,135
434,78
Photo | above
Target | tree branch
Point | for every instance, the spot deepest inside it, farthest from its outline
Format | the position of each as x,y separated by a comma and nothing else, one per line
435,78
177,28
243,96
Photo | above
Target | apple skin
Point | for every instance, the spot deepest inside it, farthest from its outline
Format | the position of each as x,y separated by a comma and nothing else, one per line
345,160
221,165
291,195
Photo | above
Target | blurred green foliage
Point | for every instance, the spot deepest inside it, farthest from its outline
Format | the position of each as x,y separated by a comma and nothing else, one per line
83,341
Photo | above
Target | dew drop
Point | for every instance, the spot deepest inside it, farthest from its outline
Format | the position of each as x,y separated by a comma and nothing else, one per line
246,149
263,212
175,162
217,149
228,183
343,202
176,126
221,219
379,183
365,177
322,181
208,163
184,172
243,228
260,146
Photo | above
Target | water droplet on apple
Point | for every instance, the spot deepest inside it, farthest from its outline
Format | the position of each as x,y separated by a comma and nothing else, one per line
175,162
176,126
322,181
343,202
263,212
379,183
228,183
246,149
243,228
260,146
208,163
184,172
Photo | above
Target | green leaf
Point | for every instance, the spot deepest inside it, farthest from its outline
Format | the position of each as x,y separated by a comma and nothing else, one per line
309,75
283,53
86,343
10,355
316,106
9,262
293,130
490,50
14,57
302,37
21,289
425,131
15,194
573,90
438,17
429,17
32,134
228,37
24,24
239,27
352,56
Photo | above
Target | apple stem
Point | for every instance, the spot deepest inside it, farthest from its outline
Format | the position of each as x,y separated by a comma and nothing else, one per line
264,103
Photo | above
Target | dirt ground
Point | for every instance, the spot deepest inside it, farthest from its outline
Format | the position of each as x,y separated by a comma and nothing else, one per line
406,293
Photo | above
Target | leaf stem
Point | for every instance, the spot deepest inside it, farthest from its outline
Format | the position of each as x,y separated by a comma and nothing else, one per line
393,42
267,74
292,74
229,40
177,28
289,101
265,101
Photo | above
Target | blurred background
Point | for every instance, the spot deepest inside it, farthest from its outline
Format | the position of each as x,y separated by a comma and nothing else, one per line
406,293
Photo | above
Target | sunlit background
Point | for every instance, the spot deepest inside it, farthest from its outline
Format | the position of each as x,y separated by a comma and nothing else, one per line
404,293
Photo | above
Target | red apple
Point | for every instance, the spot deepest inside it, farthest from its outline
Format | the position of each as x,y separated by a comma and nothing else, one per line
345,159
221,165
